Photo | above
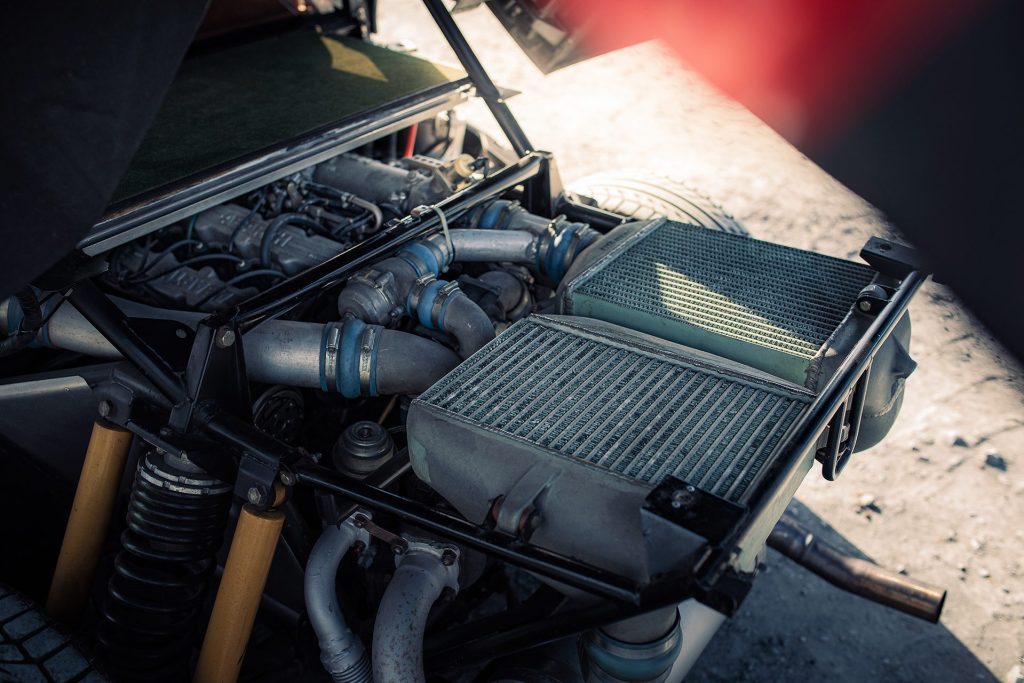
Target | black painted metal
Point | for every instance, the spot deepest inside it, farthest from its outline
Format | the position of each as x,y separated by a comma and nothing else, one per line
495,543
484,85
288,293
595,217
108,319
806,431
137,216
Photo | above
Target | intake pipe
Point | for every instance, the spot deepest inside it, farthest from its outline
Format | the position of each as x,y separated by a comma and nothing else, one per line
642,649
854,575
423,573
407,285
558,241
341,651
350,358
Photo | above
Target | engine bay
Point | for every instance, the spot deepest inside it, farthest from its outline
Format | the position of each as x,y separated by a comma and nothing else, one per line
385,401
526,374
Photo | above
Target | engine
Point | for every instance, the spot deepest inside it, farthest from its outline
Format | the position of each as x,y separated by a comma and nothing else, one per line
564,410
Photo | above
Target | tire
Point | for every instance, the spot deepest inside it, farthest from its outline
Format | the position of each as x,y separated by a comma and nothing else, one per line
643,195
33,649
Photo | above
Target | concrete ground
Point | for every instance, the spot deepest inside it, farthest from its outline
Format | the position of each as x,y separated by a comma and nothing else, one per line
942,498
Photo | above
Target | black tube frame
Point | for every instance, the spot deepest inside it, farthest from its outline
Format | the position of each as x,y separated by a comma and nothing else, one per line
618,597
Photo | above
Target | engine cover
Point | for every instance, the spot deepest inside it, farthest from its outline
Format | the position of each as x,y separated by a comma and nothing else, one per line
580,420
779,309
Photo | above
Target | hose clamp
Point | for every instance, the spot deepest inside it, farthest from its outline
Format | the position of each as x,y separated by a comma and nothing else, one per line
428,300
442,298
368,360
330,343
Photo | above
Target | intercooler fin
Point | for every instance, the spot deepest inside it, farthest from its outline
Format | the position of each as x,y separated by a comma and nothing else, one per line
622,403
763,304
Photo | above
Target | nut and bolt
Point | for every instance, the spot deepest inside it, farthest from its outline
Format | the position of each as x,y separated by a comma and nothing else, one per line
684,497
105,408
287,478
360,521
449,557
254,495
224,337
398,548
864,305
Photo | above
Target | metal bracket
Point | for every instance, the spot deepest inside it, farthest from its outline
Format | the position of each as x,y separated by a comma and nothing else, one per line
517,512
871,300
397,544
843,430
891,258
215,374
703,513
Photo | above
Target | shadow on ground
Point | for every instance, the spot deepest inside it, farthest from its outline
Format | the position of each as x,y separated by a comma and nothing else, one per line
796,627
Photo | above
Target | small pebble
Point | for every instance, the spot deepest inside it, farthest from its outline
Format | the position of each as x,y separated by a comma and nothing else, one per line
902,569
995,461
977,544
984,573
959,441
954,463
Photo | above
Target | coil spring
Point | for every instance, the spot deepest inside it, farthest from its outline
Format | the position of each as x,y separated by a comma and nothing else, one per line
149,621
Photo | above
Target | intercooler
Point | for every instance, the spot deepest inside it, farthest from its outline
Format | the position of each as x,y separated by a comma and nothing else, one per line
763,304
583,419
652,419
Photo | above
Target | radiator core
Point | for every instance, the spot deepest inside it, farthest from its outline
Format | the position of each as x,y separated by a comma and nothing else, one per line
762,304
642,413
583,419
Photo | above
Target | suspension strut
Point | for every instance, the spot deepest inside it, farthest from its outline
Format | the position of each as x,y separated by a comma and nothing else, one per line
175,524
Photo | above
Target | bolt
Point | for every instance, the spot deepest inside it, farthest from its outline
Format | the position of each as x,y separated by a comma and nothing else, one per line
287,478
254,495
398,549
448,557
224,337
105,408
864,305
684,497
360,521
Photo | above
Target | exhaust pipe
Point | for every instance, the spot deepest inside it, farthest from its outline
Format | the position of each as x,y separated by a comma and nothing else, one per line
854,575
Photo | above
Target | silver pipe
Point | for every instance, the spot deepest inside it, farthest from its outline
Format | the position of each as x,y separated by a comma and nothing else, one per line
341,651
353,358
422,574
699,623
375,212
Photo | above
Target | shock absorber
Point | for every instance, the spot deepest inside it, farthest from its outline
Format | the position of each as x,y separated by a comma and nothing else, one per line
175,524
